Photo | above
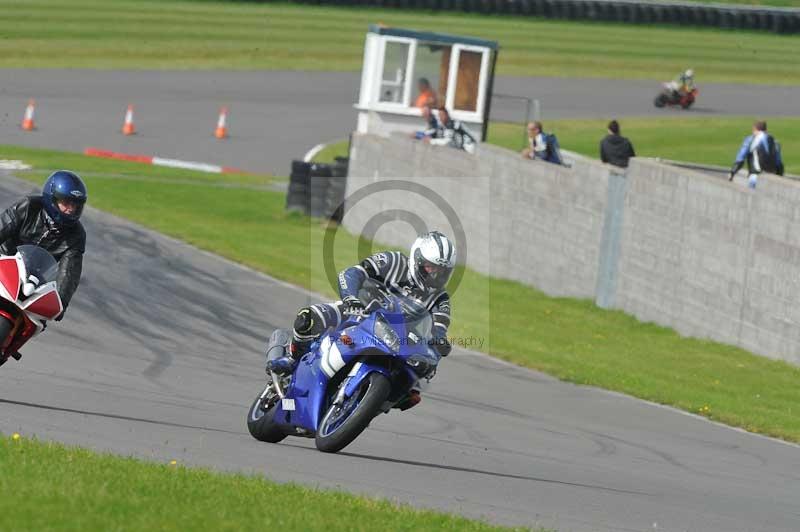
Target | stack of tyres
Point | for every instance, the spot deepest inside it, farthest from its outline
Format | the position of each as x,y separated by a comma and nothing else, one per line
334,205
319,179
297,196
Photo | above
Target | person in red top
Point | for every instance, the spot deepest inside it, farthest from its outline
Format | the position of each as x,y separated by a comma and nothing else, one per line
426,96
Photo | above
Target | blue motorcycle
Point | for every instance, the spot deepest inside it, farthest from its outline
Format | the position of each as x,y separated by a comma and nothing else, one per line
370,364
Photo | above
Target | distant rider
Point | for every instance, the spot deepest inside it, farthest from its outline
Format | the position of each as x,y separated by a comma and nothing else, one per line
423,275
683,84
51,221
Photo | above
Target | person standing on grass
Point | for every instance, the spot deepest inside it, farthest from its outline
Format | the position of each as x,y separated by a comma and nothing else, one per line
614,148
761,152
542,146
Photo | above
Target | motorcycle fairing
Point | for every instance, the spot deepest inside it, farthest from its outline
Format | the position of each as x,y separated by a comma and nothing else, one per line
45,302
10,269
17,339
309,385
307,395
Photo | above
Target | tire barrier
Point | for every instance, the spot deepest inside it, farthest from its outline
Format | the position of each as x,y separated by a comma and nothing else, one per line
771,19
334,199
297,195
318,189
319,179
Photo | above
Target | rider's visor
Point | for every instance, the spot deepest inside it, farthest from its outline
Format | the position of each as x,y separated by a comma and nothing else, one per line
435,275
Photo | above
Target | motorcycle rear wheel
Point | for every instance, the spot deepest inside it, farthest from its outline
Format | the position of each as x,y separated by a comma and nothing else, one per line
334,435
260,422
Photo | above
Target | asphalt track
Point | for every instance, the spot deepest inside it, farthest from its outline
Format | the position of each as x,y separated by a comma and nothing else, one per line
159,357
277,116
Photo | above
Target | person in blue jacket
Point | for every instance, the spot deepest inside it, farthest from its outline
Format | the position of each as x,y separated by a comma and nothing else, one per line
761,153
542,146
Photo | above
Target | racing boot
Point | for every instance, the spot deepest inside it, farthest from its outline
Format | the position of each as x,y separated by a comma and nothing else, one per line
285,364
279,359
282,365
413,399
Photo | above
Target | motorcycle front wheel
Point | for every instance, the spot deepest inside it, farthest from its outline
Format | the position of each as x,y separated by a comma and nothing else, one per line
5,330
260,419
661,100
342,424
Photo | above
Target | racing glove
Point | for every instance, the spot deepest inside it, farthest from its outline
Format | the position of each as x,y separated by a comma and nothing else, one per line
352,306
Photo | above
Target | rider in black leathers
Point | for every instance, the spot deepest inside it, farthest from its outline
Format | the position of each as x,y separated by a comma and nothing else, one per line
51,221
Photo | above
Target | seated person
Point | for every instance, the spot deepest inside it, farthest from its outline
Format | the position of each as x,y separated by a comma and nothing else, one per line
434,129
454,134
426,96
542,146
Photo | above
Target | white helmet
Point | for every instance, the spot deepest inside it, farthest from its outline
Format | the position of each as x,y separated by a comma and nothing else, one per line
689,73
432,260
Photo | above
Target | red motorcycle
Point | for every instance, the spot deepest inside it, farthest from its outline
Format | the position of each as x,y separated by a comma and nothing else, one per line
670,97
28,298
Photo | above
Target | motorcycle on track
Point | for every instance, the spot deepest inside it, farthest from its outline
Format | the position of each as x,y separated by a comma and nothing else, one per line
668,97
368,365
28,298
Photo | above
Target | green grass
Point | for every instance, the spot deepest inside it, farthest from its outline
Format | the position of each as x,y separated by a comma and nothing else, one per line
713,141
774,3
47,486
333,149
171,34
569,338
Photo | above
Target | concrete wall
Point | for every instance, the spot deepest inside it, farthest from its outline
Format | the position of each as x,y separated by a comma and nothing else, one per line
710,258
713,259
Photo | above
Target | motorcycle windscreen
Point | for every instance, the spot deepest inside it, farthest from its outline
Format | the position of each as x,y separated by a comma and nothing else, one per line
9,278
39,263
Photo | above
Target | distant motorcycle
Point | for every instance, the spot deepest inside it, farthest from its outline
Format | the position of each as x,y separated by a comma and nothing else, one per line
28,298
683,98
368,365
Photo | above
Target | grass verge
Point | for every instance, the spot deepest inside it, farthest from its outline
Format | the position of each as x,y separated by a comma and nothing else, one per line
569,338
172,34
83,490
699,140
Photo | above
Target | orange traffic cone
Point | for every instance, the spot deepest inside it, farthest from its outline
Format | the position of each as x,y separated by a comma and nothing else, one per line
222,124
128,128
27,120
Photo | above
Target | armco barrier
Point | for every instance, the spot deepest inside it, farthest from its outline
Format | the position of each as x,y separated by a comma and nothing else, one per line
667,244
761,18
